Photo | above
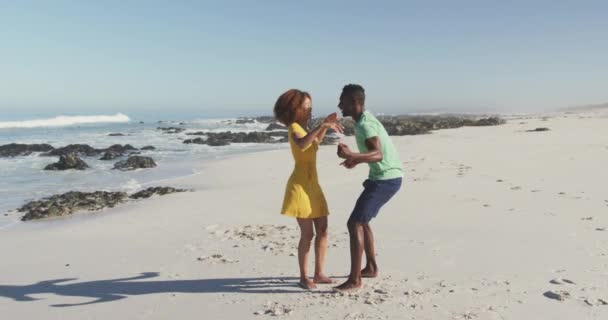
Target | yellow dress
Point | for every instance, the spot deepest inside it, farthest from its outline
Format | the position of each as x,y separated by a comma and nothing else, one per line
303,195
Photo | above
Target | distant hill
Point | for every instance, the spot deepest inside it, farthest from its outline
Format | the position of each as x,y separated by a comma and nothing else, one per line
587,108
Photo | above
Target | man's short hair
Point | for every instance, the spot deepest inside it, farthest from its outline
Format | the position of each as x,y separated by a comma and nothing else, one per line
354,91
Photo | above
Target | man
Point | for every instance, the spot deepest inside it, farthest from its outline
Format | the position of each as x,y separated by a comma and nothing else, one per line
385,175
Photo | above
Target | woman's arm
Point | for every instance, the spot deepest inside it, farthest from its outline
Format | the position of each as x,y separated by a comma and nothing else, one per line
303,141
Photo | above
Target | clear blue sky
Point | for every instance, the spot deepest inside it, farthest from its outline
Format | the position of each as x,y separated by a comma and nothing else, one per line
238,56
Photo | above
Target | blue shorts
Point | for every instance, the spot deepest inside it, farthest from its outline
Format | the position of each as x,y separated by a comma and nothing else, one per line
376,193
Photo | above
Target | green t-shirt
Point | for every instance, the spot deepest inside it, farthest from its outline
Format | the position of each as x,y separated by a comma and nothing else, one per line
390,166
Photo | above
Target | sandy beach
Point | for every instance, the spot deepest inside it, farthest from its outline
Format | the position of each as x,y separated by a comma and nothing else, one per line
491,223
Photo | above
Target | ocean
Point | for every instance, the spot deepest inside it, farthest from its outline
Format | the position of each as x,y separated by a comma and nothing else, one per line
23,179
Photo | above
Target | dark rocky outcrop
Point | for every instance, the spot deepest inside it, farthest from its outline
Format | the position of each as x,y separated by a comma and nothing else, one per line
68,203
117,150
115,135
81,150
225,138
73,201
110,155
275,126
412,125
195,141
67,162
17,149
155,190
148,148
135,162
170,130
120,148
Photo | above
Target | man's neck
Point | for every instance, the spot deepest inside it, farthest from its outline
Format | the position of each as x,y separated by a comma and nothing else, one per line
357,116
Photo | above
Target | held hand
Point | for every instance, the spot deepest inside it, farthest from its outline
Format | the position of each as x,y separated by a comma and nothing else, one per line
343,151
335,127
332,118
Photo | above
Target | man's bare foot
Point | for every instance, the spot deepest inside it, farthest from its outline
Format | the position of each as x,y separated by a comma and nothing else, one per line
369,273
322,279
348,286
306,284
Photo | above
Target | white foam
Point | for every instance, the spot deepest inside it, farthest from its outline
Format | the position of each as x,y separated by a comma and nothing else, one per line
61,121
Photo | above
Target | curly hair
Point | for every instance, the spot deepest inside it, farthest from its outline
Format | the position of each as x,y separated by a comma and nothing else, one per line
289,107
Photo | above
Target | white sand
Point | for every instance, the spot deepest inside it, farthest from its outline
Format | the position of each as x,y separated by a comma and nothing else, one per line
488,217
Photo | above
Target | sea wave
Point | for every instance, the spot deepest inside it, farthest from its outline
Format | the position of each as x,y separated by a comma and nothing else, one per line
61,121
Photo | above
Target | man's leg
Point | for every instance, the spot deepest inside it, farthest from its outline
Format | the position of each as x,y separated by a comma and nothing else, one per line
371,268
355,232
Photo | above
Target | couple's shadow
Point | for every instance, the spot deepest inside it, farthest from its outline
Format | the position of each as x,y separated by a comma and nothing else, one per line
117,289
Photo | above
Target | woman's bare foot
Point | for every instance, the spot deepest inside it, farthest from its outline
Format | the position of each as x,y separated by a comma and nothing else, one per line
306,284
368,272
322,279
348,286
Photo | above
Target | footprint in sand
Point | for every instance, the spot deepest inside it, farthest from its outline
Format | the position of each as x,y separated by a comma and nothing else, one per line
561,281
559,295
216,258
274,309
595,302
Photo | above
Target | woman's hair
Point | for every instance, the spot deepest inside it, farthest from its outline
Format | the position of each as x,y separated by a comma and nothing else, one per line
289,107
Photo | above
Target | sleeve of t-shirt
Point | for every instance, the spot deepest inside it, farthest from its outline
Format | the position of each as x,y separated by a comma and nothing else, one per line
369,130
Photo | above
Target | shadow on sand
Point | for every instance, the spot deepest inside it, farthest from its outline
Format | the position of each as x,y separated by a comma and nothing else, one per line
117,289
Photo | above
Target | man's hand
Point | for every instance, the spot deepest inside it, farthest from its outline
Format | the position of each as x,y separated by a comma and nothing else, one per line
349,163
343,151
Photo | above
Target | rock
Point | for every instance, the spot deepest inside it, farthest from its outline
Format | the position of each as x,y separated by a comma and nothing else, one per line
135,162
538,130
68,162
115,135
265,119
216,142
227,137
141,122
120,148
70,202
171,130
244,121
117,150
412,125
148,148
81,150
198,133
110,155
15,149
155,190
195,141
275,126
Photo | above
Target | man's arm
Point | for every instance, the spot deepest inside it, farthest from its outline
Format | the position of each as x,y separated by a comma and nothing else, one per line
373,154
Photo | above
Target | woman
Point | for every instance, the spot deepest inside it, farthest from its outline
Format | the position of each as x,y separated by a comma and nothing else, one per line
304,198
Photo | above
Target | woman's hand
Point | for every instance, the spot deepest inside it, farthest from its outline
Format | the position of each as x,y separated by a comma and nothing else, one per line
334,126
332,118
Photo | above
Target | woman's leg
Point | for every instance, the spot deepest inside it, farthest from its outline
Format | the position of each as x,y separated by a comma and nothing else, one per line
320,249
306,235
